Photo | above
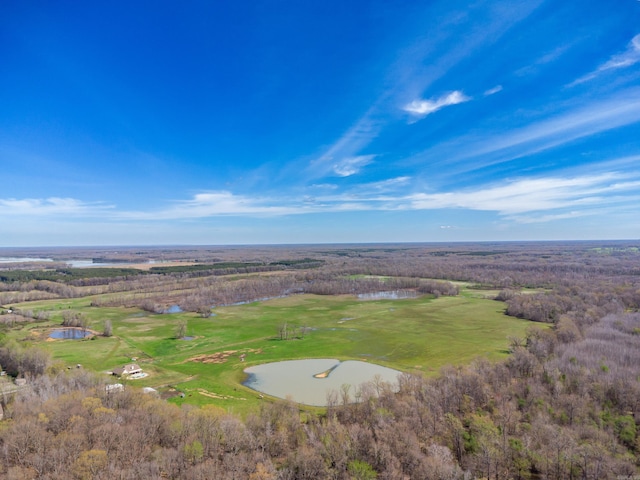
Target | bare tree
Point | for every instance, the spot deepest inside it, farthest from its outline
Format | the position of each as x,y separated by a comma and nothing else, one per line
181,330
108,328
283,331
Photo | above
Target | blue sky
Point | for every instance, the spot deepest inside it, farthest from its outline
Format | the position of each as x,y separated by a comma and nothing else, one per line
127,123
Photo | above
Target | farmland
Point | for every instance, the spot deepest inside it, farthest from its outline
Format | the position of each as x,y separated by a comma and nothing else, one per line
416,335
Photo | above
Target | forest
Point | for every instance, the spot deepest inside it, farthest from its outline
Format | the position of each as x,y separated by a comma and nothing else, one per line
563,404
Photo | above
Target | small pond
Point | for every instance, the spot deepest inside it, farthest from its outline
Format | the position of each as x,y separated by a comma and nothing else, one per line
390,295
173,309
309,381
69,334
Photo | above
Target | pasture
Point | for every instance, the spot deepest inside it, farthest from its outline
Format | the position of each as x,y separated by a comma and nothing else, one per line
418,335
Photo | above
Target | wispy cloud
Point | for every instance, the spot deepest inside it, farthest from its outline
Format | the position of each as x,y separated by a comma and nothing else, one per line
388,185
422,108
553,217
347,148
421,63
521,200
52,206
324,186
350,166
527,200
220,203
504,146
534,195
545,59
493,91
629,57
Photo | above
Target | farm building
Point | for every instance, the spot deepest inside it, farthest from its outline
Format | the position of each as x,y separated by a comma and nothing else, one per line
129,369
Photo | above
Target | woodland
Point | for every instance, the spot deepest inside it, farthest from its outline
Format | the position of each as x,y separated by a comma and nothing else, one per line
564,404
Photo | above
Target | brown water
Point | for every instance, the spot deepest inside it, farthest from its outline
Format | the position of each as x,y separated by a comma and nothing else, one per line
295,379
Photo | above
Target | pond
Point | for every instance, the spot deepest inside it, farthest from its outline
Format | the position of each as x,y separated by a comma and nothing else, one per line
390,295
69,334
309,381
173,309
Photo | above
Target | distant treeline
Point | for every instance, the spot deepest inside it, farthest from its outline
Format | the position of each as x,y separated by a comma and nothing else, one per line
66,275
69,275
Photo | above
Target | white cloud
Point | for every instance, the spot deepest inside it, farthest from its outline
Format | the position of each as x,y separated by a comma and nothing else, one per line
324,186
550,217
625,59
545,59
555,195
352,165
531,195
629,57
389,184
219,203
527,200
363,132
422,62
476,152
49,207
422,108
493,91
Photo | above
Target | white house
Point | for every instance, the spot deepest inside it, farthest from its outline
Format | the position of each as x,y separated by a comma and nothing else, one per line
128,369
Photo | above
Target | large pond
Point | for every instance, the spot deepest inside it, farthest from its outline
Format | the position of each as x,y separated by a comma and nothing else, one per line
69,333
310,381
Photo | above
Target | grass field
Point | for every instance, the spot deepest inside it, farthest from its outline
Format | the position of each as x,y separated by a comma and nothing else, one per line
414,335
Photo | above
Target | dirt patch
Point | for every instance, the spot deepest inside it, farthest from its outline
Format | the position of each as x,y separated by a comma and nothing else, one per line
220,357
206,393
169,393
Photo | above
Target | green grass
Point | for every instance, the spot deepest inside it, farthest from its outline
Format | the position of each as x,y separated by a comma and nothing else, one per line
414,335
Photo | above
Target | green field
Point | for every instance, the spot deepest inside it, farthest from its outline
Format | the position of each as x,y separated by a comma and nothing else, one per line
414,335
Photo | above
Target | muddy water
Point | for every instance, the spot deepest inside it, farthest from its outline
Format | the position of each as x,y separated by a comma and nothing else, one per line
295,378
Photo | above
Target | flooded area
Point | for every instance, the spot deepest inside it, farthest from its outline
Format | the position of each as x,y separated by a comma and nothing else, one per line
389,295
24,260
69,334
76,263
309,381
173,309
88,264
80,263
